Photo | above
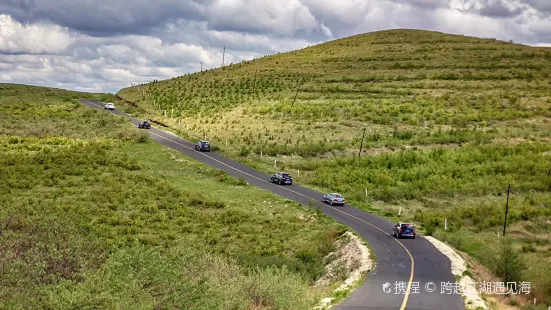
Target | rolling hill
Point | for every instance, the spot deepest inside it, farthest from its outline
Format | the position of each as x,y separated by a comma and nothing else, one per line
450,121
96,214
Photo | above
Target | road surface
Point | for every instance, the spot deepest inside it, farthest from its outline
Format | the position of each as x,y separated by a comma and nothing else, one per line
409,262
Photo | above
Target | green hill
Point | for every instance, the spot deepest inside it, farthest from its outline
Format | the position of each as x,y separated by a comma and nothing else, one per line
96,215
450,122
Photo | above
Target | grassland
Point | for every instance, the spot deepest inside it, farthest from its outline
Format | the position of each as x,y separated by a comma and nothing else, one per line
95,214
450,122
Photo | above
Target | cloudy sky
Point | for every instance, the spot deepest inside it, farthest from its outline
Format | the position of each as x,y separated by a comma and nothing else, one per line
105,45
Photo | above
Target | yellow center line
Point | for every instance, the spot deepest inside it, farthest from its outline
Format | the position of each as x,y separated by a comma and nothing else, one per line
406,297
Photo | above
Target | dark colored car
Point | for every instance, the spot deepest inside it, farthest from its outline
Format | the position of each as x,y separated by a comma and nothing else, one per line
404,230
202,146
144,124
282,178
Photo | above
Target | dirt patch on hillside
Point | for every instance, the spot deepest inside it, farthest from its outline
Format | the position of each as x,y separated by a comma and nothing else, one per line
348,263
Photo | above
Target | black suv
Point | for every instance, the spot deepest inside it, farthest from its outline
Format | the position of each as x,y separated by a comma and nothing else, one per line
282,178
202,146
144,124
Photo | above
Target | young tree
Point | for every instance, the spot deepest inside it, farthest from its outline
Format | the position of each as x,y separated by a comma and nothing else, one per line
509,263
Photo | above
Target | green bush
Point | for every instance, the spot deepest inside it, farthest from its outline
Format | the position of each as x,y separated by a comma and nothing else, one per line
429,227
509,264
244,151
242,181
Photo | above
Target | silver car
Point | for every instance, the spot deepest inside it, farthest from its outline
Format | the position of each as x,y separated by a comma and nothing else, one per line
109,106
334,199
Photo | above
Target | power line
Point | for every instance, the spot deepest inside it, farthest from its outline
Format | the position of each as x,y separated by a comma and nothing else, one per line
234,56
213,56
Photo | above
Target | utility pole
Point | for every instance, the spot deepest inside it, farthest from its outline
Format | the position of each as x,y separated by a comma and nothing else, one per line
362,144
223,56
201,66
296,94
506,210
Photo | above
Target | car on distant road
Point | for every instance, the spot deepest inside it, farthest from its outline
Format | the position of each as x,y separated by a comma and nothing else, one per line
202,146
404,230
282,178
334,199
144,124
109,106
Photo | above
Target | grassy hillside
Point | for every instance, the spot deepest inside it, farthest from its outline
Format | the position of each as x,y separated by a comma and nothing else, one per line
450,121
94,214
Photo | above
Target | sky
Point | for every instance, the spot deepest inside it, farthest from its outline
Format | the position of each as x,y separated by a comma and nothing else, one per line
106,45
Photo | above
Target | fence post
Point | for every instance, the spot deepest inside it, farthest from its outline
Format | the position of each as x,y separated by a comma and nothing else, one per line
400,211
275,163
445,224
260,154
298,173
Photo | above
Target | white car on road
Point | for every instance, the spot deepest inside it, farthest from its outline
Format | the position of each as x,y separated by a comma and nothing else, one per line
109,106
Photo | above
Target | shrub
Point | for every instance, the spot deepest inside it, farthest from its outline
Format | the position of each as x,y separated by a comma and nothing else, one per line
244,151
429,227
509,264
528,247
242,181
142,137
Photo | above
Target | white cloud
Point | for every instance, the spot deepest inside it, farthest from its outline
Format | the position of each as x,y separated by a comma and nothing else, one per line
266,16
33,39
326,31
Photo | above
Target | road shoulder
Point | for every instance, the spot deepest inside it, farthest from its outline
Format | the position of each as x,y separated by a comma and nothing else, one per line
458,268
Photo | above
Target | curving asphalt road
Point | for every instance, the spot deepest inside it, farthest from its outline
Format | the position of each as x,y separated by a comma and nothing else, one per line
411,261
